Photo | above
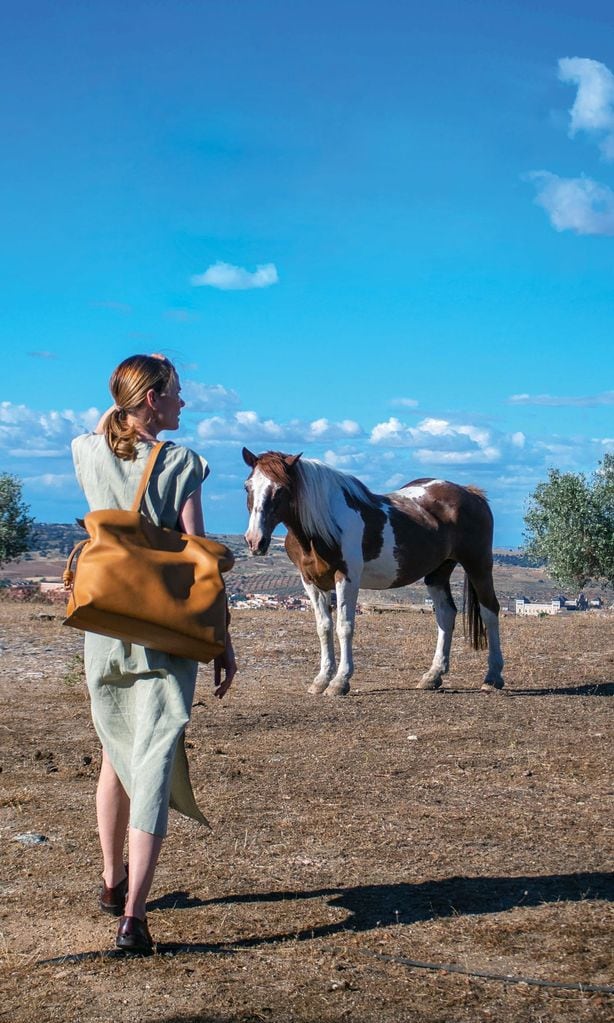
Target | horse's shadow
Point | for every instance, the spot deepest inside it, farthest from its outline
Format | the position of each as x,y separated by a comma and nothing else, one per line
368,907
449,689
587,689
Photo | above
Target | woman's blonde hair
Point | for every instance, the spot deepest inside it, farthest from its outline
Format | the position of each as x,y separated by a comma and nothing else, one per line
129,384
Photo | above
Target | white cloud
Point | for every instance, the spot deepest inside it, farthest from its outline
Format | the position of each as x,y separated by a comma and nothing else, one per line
558,401
247,426
227,277
575,204
26,432
431,456
324,428
42,355
593,107
391,432
581,204
397,480
346,461
207,397
61,481
36,445
404,403
454,443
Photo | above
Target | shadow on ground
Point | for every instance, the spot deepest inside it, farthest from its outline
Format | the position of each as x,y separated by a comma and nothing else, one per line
382,905
594,689
449,689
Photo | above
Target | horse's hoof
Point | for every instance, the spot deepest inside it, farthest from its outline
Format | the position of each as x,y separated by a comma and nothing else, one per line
430,683
492,687
317,688
341,690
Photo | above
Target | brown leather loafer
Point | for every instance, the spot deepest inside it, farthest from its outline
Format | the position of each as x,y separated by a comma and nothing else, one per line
113,900
133,936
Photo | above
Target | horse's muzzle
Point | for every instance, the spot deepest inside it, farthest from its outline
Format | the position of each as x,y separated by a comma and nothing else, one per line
257,545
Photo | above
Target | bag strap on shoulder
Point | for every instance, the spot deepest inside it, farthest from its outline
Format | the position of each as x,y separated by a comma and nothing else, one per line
151,461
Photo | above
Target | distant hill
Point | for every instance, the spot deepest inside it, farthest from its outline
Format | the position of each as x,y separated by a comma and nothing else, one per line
57,539
518,558
53,538
515,574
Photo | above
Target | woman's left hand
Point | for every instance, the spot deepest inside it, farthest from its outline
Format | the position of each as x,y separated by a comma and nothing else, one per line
227,664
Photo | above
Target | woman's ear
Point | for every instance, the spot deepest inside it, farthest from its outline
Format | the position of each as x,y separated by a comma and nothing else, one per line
151,399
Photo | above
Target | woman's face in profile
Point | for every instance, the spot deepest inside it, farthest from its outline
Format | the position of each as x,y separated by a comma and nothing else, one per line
168,407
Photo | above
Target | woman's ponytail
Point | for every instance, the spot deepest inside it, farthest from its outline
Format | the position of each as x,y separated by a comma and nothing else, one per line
121,436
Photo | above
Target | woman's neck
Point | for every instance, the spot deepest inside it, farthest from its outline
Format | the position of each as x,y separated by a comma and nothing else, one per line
147,432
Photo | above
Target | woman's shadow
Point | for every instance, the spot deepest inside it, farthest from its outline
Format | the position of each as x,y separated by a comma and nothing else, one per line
369,907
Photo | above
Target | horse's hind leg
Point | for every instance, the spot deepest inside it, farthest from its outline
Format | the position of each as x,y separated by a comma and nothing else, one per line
438,585
320,601
484,589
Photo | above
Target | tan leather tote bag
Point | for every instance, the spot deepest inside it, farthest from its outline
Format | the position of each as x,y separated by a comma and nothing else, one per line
148,584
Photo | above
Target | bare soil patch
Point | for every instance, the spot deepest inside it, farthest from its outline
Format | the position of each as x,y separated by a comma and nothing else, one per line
451,827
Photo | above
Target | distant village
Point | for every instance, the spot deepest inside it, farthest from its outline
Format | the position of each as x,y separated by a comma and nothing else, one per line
51,590
275,585
558,605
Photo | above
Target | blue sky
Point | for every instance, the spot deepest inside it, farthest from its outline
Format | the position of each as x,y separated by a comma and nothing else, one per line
379,233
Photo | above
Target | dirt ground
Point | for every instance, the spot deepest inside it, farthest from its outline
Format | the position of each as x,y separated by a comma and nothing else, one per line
349,837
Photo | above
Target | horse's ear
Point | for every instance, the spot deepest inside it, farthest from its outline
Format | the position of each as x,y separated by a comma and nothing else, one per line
291,460
249,457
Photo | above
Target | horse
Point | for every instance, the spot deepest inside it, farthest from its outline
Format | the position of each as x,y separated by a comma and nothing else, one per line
342,536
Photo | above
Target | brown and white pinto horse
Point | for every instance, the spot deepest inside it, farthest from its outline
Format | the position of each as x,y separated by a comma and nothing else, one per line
341,535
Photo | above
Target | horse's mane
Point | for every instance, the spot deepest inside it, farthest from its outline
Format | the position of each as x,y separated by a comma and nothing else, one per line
317,485
313,486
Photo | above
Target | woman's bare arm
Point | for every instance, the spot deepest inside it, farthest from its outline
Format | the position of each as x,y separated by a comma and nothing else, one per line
191,520
191,517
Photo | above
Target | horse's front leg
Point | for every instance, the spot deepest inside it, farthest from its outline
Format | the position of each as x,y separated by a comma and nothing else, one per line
445,613
320,601
347,595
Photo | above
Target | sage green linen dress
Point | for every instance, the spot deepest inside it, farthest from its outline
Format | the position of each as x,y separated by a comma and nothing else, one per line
141,699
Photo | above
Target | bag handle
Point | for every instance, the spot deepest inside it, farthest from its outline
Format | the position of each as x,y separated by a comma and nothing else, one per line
151,461
69,575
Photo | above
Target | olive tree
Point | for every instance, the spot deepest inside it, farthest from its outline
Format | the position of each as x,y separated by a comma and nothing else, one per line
570,523
15,523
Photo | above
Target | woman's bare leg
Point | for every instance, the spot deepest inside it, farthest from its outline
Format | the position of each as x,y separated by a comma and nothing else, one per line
143,853
113,811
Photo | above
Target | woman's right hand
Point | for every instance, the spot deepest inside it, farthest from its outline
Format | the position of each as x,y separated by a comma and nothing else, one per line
224,663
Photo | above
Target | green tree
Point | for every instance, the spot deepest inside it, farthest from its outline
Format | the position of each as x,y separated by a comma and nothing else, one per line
570,523
15,523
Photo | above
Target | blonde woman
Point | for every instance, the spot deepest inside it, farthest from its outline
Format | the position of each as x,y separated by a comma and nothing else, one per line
141,699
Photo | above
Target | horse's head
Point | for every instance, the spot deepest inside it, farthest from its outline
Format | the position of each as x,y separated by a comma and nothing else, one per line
269,488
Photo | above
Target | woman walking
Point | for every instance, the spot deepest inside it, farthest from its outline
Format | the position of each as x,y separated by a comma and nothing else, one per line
141,699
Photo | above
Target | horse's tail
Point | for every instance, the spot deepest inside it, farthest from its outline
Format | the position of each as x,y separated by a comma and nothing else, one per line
473,626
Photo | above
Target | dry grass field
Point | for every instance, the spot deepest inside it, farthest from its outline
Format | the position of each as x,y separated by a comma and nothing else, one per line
349,838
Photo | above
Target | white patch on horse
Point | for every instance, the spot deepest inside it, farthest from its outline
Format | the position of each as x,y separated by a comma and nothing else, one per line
262,486
382,571
263,489
415,492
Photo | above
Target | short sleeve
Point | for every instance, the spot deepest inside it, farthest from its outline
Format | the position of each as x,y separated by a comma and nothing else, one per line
181,474
76,445
193,474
